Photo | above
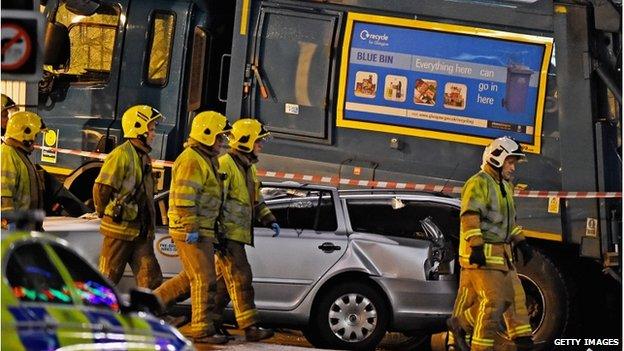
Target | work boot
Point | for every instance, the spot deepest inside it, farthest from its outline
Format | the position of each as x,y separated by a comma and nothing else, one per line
254,333
459,334
524,343
215,339
175,321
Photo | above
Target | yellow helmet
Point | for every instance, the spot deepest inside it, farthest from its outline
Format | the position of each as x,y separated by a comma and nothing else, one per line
24,126
136,118
7,103
245,132
207,125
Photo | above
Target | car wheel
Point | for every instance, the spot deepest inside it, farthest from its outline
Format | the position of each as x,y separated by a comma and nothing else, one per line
349,316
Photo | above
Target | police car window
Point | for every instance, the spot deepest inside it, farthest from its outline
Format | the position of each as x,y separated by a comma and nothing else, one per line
302,209
92,42
34,278
92,288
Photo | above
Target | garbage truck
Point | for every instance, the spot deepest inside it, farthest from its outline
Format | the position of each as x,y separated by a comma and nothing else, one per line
381,91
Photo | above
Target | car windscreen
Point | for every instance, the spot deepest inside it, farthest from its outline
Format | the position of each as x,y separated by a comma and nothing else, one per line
34,278
91,286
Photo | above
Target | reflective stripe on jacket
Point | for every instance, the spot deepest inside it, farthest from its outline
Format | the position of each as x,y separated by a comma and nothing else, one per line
481,195
195,195
122,171
238,207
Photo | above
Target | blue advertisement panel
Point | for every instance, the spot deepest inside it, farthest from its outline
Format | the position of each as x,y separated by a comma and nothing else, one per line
442,81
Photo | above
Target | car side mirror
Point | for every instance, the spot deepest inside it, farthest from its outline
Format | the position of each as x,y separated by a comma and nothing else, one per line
56,46
143,300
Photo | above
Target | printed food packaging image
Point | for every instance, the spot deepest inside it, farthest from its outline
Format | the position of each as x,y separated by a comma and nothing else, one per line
365,84
455,96
395,88
425,92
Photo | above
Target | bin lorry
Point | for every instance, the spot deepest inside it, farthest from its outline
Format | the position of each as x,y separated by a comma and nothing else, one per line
384,90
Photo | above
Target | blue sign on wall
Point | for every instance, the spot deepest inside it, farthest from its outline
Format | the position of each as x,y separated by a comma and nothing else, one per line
442,81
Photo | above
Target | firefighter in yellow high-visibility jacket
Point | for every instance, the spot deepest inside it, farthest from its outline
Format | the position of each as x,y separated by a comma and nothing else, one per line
490,291
243,204
21,186
123,197
195,203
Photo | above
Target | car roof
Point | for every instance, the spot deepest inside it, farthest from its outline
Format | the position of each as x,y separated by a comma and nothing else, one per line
404,194
416,196
10,238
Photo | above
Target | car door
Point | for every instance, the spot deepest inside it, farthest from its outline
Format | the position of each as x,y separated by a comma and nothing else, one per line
45,313
311,241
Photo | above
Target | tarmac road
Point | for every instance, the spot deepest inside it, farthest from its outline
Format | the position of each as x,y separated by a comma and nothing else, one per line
284,340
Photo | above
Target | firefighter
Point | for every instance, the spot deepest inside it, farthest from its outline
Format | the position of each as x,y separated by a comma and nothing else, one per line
22,187
490,291
123,197
8,107
195,202
243,204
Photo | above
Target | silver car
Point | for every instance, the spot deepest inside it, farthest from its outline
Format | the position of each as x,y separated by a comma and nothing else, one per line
347,267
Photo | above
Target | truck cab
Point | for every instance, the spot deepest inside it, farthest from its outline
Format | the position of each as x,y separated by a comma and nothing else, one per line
104,57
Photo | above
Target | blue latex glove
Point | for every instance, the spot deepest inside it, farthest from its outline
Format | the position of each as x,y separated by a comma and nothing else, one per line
276,229
192,238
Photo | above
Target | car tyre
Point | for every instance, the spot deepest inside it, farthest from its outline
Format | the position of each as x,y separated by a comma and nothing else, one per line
348,316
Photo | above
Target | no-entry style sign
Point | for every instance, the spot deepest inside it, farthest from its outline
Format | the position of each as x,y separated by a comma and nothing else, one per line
16,46
22,45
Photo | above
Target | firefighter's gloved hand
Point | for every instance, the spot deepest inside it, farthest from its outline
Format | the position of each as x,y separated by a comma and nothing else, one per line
527,251
477,256
276,228
192,238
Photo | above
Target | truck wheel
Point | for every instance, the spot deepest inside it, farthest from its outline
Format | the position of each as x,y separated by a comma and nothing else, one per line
548,297
349,316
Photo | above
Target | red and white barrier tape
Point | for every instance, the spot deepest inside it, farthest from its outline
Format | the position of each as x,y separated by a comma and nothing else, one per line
97,155
336,181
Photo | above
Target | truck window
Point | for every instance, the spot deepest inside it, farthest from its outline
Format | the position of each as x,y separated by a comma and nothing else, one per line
92,42
161,34
198,58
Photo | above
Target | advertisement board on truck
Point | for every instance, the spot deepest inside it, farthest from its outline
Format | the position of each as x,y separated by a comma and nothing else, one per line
442,81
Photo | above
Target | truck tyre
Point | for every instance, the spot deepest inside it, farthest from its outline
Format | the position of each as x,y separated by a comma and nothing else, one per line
348,316
548,295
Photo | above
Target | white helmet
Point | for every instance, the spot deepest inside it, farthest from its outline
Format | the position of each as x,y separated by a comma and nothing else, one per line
499,149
